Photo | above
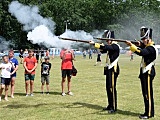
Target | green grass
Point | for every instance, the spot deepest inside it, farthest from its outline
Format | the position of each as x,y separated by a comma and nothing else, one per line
89,94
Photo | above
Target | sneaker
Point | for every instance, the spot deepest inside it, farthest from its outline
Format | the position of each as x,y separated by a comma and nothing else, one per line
47,93
31,94
63,94
6,99
27,95
70,93
12,96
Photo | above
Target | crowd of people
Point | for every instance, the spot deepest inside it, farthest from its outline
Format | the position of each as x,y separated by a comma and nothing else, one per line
39,54
29,59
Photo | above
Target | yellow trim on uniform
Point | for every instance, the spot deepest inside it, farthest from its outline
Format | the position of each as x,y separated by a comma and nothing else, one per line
150,44
115,68
114,105
149,94
134,48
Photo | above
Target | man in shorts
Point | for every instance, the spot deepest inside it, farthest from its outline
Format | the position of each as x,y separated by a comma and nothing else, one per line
14,61
66,67
45,69
30,64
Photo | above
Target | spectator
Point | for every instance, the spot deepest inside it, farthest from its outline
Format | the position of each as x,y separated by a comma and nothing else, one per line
47,53
21,55
84,54
37,55
90,54
14,61
30,64
6,73
45,69
66,67
98,58
25,54
131,56
42,55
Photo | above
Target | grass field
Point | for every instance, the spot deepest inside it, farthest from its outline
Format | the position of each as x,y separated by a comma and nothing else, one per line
89,94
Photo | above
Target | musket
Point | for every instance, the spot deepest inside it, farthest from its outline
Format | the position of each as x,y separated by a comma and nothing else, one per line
117,40
76,40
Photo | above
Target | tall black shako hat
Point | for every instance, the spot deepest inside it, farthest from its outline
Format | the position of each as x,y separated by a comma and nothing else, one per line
145,33
108,34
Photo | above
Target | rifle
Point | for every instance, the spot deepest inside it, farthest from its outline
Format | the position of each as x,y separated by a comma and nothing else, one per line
117,40
84,41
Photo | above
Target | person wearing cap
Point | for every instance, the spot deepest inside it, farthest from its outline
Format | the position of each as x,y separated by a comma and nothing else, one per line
111,70
149,53
14,61
45,71
30,65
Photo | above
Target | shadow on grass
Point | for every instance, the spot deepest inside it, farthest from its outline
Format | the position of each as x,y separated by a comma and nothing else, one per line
101,112
52,93
80,104
20,94
129,113
24,106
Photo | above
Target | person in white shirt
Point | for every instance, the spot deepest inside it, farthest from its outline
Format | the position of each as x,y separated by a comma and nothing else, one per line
6,67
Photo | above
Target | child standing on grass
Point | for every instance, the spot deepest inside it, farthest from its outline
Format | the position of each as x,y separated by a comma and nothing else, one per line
30,64
13,76
45,69
6,67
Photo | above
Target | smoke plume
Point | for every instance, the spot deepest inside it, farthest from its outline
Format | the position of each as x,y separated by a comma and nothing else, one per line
80,34
29,16
4,45
40,29
42,35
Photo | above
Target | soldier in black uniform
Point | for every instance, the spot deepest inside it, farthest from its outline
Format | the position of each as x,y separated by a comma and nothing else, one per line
147,71
111,70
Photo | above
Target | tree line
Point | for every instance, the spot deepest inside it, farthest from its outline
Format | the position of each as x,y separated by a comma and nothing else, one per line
125,17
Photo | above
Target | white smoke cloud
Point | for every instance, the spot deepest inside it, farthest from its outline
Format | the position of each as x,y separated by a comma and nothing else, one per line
40,28
4,45
80,34
29,16
41,34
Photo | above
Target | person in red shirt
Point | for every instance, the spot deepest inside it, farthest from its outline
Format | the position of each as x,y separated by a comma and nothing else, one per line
47,53
30,64
66,67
